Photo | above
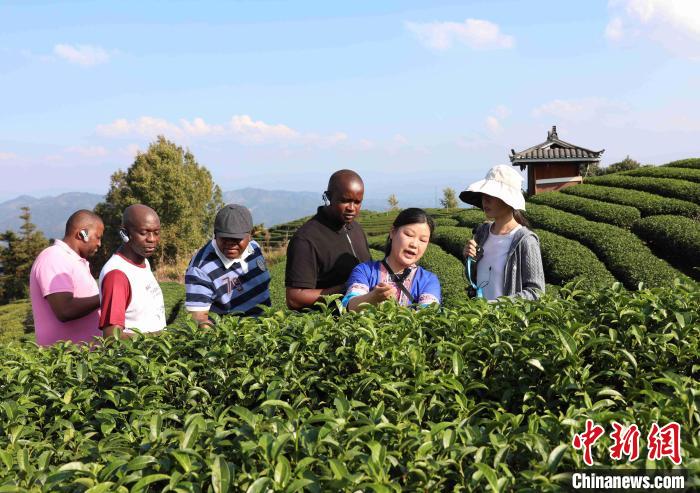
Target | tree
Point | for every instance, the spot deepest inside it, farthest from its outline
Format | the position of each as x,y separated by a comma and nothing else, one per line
449,198
18,256
624,165
393,202
168,179
594,169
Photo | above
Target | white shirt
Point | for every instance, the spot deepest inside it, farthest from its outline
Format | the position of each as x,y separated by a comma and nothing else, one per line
491,268
146,310
228,262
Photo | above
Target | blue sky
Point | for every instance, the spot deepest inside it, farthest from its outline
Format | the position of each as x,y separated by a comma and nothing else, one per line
416,96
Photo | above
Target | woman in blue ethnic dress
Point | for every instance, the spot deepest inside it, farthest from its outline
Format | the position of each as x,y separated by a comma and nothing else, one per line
397,276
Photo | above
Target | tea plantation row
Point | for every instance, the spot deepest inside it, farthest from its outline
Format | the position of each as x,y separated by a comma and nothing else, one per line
459,399
647,203
666,187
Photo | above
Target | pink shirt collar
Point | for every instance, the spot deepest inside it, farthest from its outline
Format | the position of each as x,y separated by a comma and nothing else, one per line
70,251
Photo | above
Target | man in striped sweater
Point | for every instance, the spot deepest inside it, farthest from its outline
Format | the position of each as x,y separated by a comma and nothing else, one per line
228,274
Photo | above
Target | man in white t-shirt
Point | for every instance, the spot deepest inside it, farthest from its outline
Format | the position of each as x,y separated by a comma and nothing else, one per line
130,296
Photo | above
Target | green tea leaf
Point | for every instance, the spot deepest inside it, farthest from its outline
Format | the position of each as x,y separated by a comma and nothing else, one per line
536,363
259,485
555,456
220,475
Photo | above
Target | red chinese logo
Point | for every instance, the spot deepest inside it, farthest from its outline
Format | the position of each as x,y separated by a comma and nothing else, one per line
665,442
625,442
662,441
587,439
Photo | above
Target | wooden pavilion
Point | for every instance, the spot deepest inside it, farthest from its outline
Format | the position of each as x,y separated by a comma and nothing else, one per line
553,164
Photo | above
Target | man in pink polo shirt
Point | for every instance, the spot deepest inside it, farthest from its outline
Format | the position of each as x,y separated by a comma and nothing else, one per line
65,297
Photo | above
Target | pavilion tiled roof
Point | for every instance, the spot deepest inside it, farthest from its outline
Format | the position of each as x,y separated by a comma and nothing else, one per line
554,149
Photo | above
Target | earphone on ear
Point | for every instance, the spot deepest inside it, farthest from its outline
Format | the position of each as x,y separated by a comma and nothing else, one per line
124,236
84,235
326,199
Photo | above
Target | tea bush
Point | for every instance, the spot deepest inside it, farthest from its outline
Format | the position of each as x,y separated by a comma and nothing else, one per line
666,187
594,210
623,253
174,298
470,217
566,260
452,239
676,239
389,399
688,174
450,272
648,204
12,320
277,289
693,163
445,221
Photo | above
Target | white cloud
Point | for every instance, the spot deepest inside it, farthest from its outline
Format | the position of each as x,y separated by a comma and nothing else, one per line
258,131
493,124
241,128
675,24
614,31
501,111
366,145
85,55
130,150
88,152
145,126
198,127
493,121
4,156
400,140
331,140
581,110
477,34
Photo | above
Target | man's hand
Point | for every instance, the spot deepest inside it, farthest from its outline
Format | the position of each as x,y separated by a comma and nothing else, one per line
202,319
112,330
298,298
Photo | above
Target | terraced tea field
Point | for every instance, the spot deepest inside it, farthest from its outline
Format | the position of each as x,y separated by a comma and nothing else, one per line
469,397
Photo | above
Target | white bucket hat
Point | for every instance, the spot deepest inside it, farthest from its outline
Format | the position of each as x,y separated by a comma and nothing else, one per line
502,182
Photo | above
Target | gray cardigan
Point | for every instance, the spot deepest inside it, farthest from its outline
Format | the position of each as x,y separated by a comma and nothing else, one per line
524,275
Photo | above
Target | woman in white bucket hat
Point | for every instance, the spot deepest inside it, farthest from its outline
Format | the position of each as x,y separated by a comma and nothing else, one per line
507,252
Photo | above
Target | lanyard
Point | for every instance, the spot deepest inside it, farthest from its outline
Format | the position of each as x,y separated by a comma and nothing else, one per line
479,290
399,279
347,235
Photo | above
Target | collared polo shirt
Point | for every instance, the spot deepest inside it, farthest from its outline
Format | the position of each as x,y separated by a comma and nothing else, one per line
323,252
221,285
59,269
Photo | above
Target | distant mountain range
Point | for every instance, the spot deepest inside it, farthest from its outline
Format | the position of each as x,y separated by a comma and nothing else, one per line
268,206
48,213
279,206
